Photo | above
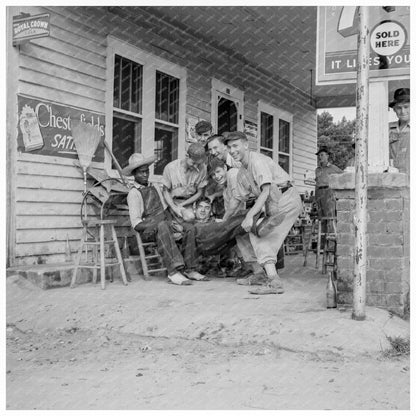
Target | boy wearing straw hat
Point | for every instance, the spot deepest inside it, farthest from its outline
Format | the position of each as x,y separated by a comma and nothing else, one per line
149,217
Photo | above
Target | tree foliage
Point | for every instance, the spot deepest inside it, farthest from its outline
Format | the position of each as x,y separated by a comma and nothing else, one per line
338,137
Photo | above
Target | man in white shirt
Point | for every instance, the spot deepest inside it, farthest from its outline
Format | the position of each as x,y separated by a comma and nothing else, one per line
271,185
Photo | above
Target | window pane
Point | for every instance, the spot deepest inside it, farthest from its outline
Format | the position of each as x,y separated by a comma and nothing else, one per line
227,115
126,138
284,136
166,146
267,152
284,162
167,98
117,75
127,85
266,130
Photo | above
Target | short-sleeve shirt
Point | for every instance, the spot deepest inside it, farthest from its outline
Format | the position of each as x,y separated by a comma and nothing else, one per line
231,191
322,172
259,171
399,145
231,162
181,181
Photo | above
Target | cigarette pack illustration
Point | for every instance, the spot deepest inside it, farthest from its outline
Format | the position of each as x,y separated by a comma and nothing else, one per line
29,126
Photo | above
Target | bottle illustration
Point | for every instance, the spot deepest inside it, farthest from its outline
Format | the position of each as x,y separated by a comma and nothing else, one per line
29,126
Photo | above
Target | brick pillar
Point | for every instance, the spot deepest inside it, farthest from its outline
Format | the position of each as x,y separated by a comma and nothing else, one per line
388,249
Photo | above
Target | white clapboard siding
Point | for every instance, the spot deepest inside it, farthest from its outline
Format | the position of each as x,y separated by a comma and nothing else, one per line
60,72
69,68
56,58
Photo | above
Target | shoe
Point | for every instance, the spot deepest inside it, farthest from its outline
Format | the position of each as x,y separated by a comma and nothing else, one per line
179,279
194,275
272,287
253,280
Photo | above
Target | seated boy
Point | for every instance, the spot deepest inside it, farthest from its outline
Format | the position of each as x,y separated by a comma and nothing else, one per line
183,182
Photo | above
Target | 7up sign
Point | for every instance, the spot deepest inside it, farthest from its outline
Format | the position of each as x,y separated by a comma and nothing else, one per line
337,43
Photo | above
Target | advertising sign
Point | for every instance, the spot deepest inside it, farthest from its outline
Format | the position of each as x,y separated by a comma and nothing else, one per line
337,43
30,27
44,128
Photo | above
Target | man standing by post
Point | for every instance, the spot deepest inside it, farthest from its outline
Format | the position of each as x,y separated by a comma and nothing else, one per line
271,185
399,131
324,197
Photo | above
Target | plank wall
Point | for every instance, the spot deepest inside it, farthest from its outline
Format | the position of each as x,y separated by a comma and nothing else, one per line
69,68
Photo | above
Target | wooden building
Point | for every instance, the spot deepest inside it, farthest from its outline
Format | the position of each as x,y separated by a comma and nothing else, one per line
144,76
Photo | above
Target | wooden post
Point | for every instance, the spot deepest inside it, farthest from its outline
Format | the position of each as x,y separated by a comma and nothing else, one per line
361,168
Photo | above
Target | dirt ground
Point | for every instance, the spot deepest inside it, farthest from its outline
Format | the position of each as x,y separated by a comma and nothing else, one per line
208,346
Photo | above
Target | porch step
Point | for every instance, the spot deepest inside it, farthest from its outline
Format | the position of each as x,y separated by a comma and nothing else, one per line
54,275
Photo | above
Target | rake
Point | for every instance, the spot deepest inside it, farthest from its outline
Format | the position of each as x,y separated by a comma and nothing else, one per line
86,139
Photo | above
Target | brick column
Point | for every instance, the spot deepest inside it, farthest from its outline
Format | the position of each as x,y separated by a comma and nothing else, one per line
388,250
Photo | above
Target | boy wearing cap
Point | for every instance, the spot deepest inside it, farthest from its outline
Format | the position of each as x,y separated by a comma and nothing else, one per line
203,130
149,217
274,193
184,181
399,131
324,197
218,149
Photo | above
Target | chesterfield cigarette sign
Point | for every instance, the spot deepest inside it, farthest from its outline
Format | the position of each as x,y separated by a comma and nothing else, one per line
30,27
337,43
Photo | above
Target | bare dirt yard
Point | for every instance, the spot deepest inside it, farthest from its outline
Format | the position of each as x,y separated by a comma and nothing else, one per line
211,345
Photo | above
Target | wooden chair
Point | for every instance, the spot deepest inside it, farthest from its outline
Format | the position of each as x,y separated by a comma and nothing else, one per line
93,235
150,259
327,236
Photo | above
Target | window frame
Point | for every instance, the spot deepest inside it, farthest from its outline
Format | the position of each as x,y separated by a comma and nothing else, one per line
150,63
278,115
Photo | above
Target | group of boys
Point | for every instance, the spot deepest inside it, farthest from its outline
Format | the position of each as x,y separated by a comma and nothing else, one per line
260,206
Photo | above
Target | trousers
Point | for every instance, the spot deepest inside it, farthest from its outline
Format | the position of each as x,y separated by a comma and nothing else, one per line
265,249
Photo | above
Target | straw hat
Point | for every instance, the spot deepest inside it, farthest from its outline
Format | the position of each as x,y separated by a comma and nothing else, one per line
135,161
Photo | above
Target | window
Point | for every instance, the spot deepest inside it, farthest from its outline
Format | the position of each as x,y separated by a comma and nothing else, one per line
145,105
275,134
266,134
127,103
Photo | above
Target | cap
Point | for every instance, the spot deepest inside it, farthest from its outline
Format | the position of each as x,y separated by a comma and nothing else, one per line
203,126
235,135
401,95
323,149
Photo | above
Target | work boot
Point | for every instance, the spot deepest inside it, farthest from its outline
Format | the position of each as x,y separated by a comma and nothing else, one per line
272,287
240,270
256,279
